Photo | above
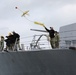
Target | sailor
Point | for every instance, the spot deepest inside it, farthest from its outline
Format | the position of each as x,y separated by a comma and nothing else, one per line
51,34
9,42
56,39
17,40
2,43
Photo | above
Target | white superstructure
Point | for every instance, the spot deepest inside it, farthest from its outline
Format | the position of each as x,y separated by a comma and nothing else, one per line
67,36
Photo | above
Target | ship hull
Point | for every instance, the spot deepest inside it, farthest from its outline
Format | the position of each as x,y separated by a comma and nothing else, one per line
46,62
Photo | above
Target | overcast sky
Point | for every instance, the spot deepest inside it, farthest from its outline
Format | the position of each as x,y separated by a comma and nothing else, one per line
55,13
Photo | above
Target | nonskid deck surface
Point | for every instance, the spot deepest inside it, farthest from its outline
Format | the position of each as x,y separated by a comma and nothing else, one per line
46,62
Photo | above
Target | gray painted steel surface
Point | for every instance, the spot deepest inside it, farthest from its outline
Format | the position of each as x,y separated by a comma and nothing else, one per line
47,62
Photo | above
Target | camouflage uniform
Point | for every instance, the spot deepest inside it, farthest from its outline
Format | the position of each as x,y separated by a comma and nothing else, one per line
2,43
51,35
56,40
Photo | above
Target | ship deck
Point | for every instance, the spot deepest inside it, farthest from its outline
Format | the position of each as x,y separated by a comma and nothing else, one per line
45,62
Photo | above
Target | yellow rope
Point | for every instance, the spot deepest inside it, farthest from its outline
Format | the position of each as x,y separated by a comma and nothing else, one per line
26,13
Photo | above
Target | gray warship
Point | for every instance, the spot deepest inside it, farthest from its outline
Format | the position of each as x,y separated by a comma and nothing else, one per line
39,61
